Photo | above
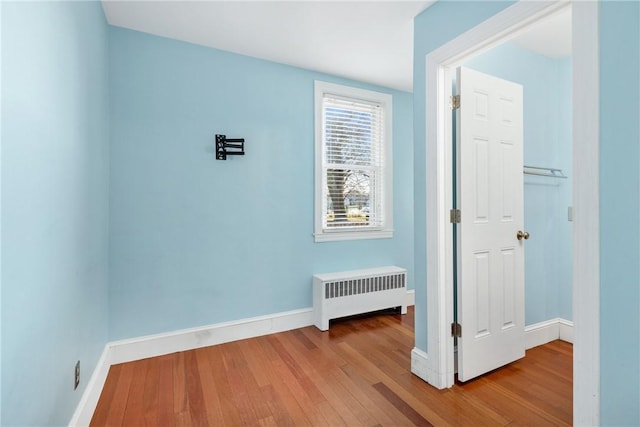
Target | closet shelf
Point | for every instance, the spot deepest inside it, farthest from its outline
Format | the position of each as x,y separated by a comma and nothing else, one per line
540,171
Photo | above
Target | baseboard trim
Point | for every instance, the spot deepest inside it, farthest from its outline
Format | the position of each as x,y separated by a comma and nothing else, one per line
420,364
547,331
143,347
411,297
188,339
89,400
566,330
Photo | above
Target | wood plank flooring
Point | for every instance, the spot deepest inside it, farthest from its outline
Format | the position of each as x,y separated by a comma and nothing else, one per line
357,374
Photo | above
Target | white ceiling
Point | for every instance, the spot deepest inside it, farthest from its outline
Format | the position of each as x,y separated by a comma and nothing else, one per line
365,40
370,41
550,37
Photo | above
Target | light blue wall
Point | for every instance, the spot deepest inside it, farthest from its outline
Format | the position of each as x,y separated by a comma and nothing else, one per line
54,205
432,28
194,240
619,188
564,197
619,194
547,142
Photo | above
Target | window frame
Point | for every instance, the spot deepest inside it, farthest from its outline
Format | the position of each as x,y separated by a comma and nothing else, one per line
385,100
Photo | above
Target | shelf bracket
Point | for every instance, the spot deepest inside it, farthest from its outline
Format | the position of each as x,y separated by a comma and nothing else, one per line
228,147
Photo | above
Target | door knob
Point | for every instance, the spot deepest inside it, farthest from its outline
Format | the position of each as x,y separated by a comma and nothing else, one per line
522,235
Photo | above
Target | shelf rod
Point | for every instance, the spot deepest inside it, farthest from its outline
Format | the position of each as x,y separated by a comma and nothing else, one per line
553,172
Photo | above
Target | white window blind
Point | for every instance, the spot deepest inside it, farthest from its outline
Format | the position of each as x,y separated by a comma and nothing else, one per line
353,163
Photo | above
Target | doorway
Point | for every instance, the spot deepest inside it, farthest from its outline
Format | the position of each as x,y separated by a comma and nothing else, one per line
438,365
525,272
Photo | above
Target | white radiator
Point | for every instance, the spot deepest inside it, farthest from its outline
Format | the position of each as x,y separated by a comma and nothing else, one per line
355,292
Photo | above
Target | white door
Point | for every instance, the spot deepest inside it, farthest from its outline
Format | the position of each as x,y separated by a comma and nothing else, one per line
490,199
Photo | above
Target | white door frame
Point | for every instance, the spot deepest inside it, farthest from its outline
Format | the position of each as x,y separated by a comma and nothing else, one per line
437,367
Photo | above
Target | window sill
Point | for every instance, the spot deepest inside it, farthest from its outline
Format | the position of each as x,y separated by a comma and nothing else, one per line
352,235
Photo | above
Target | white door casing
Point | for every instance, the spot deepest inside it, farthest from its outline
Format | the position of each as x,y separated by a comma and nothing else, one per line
437,366
490,198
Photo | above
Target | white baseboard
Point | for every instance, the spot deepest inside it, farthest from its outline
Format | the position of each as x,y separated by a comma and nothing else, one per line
411,297
187,339
421,367
547,331
420,364
566,330
89,400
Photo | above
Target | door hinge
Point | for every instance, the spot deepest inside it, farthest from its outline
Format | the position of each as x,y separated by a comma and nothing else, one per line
455,102
455,216
456,330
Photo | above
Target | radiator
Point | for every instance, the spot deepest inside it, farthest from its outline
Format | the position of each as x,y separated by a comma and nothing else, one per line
355,292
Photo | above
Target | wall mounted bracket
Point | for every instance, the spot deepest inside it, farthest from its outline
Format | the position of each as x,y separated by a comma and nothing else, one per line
228,147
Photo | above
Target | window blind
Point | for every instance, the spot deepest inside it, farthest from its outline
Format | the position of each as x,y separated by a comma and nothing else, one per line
353,161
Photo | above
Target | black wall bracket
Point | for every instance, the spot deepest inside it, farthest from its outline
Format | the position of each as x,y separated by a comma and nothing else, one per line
228,147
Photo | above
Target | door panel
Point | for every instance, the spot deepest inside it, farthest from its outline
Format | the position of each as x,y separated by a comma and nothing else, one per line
481,281
481,179
508,160
490,198
508,277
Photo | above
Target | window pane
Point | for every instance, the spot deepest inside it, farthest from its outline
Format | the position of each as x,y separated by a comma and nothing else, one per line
348,135
348,198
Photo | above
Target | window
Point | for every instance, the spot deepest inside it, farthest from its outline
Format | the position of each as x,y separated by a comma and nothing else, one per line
353,175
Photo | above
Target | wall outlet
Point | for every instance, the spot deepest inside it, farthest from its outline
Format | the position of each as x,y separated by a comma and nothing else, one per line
76,380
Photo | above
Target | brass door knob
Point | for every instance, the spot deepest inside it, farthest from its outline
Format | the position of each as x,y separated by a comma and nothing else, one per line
522,235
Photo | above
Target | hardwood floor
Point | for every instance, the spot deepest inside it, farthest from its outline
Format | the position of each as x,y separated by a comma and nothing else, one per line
356,374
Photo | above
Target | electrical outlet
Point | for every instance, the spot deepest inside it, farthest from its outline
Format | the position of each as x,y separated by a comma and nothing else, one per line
76,380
